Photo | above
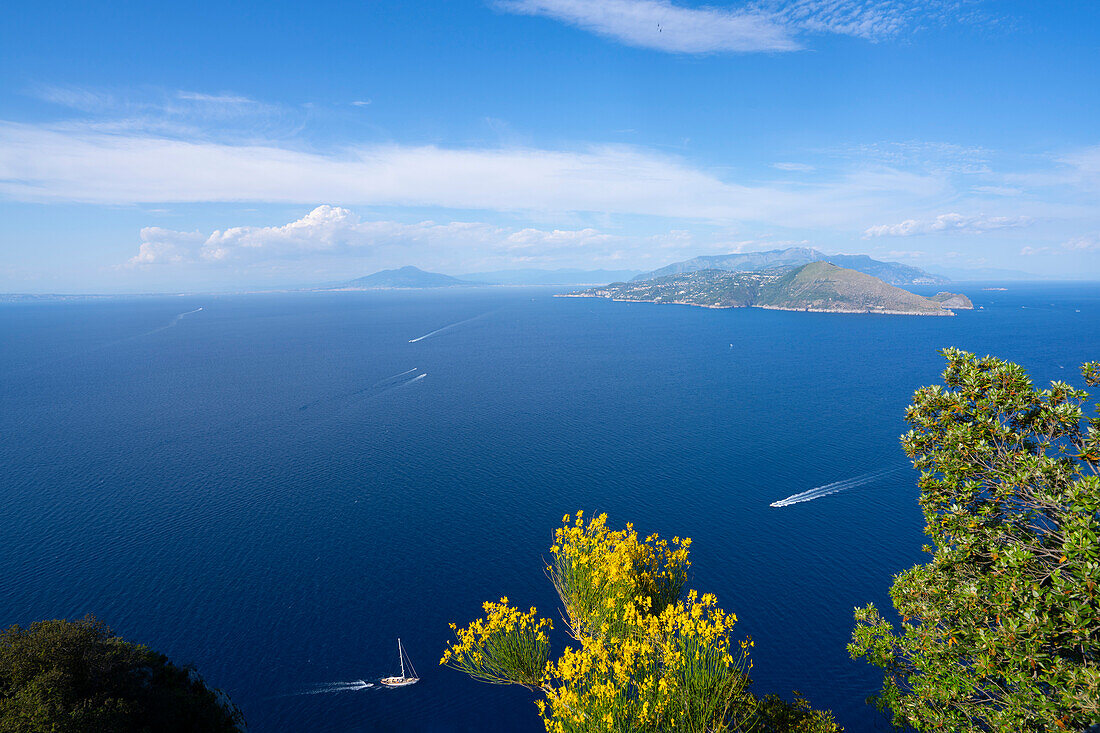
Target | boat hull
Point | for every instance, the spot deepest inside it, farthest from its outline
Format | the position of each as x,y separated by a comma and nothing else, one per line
399,681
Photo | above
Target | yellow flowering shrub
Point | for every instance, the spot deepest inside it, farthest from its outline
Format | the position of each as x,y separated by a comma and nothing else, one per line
647,656
506,647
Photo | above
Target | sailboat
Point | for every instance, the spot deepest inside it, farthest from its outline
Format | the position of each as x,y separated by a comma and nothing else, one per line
401,681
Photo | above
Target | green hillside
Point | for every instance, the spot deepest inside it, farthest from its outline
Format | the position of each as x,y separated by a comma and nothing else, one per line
817,286
894,273
824,286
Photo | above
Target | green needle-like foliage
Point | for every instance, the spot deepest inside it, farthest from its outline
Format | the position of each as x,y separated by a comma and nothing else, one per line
77,677
1000,631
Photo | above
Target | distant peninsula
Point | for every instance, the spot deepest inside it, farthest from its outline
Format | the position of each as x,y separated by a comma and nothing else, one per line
816,287
404,277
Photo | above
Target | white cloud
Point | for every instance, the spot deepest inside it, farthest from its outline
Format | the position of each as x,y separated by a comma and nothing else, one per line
766,25
556,239
84,100
178,103
160,246
660,25
946,223
1087,161
795,167
332,230
1030,251
1087,242
925,155
867,20
179,113
215,98
80,164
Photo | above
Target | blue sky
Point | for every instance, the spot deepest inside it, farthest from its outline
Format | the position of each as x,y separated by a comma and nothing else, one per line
224,145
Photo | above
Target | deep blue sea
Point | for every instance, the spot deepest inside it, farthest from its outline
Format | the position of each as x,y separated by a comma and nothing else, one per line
276,487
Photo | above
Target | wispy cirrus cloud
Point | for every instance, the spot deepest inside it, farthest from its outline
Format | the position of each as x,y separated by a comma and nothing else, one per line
168,103
871,21
794,167
179,113
660,25
1084,243
85,164
945,223
764,26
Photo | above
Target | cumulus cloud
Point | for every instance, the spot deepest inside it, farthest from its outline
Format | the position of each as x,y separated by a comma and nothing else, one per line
336,230
160,246
947,223
1030,251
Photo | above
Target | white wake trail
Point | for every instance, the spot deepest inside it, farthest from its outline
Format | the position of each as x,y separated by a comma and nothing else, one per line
448,327
328,687
171,323
393,383
389,381
834,487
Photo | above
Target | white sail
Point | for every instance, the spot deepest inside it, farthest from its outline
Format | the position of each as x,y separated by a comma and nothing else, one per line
404,679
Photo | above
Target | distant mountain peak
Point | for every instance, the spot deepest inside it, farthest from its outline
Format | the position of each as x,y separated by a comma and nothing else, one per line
408,276
893,273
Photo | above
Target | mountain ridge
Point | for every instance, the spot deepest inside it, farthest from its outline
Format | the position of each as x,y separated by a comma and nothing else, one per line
816,286
893,273
402,277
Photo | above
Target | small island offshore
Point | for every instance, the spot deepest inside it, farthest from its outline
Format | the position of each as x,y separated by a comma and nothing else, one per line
818,286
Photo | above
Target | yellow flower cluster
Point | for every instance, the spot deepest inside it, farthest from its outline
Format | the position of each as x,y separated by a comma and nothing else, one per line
650,672
505,647
596,570
649,656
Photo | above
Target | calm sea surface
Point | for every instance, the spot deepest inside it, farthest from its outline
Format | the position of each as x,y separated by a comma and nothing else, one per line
276,487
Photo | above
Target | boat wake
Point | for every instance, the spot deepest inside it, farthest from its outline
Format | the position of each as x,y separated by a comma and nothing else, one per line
380,387
329,687
836,486
448,327
175,321
394,378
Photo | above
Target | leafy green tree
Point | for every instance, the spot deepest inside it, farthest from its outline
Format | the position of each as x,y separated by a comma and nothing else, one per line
77,677
1000,631
648,656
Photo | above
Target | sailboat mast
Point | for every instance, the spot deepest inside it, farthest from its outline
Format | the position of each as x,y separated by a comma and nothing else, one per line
401,656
